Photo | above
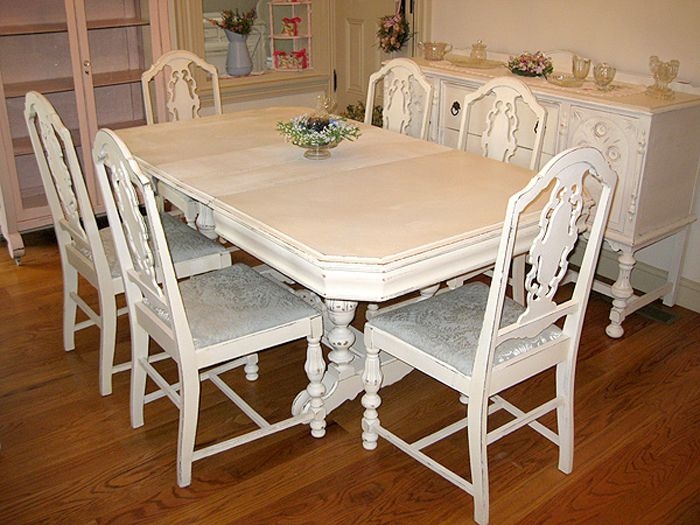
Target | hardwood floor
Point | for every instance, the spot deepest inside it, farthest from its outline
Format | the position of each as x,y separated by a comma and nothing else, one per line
69,455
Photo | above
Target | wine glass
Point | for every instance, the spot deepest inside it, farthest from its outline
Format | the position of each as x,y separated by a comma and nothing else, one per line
580,67
603,74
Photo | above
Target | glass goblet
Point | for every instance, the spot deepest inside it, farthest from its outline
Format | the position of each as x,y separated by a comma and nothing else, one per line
603,74
580,67
664,73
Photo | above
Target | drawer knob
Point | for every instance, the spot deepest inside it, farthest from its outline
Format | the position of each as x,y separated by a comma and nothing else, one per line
455,109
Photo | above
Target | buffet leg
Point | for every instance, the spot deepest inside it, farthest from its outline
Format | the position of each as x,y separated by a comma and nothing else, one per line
622,292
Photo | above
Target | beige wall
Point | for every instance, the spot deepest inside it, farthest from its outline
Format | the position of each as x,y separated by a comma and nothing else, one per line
622,32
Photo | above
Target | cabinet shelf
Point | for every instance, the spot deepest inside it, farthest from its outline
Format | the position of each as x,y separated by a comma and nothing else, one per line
47,85
113,78
62,27
32,29
110,23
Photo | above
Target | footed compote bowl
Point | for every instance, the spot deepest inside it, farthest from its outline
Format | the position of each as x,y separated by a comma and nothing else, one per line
664,73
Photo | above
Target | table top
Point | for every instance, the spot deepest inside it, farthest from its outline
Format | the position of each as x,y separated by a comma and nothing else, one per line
385,214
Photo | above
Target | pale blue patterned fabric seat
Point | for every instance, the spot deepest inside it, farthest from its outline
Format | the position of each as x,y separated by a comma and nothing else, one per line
236,302
186,245
448,327
208,324
478,342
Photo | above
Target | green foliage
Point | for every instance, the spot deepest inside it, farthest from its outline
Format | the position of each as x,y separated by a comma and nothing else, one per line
357,112
310,131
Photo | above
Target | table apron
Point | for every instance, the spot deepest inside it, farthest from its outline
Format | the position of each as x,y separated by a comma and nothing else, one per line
355,281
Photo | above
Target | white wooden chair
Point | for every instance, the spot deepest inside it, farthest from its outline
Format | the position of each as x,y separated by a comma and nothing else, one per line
504,103
508,103
208,324
182,99
88,251
479,342
407,98
178,71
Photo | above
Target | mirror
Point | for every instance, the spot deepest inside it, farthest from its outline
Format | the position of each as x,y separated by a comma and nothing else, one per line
215,43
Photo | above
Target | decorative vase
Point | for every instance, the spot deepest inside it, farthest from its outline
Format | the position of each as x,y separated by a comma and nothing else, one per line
238,62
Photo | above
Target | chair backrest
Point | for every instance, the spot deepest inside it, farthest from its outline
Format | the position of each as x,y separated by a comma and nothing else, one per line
561,181
500,130
182,100
152,293
77,234
407,100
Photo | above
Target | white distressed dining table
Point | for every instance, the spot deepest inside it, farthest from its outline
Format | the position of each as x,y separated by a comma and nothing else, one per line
384,216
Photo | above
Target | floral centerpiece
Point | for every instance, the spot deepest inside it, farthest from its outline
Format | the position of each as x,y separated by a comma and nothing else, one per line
393,32
530,64
236,22
317,133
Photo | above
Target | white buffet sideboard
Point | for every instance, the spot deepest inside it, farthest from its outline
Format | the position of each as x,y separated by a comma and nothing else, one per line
653,145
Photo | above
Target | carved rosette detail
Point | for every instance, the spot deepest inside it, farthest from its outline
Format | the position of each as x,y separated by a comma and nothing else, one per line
611,137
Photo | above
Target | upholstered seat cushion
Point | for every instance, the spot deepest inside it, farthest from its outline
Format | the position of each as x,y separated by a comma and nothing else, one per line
448,325
235,302
185,243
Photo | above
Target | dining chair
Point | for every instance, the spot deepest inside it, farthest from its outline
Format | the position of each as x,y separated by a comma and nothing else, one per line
178,69
208,324
407,97
182,99
502,104
477,341
88,251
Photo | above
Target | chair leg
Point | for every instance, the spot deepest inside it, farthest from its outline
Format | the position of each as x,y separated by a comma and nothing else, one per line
70,308
251,367
108,339
372,380
139,354
315,367
565,415
478,459
187,428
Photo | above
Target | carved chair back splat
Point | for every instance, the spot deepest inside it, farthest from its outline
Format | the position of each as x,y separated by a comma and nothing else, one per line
182,98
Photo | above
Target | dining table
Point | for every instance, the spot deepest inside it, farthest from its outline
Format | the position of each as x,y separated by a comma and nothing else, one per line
386,216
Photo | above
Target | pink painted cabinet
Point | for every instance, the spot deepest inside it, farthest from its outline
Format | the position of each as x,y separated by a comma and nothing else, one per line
87,57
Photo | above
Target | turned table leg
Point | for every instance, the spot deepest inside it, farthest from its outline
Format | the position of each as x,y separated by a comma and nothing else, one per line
205,222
